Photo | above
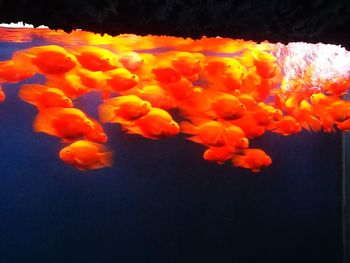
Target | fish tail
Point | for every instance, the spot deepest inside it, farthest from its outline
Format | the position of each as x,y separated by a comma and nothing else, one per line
30,92
106,158
106,112
237,160
314,124
188,128
43,122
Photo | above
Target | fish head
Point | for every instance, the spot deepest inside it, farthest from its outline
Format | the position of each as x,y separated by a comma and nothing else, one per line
173,128
67,155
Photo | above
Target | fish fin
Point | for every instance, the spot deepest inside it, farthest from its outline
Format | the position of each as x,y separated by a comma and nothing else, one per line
30,92
132,129
105,93
188,128
255,170
106,158
236,160
198,120
314,124
106,112
43,122
195,139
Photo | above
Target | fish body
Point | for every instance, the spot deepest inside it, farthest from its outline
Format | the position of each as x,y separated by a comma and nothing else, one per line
253,159
96,58
44,97
66,123
219,154
121,79
11,72
86,155
52,59
157,124
123,109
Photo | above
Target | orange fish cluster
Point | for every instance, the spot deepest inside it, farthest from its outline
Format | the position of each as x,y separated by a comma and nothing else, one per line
222,101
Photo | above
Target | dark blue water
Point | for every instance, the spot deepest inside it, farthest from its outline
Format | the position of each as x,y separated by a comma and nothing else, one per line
161,202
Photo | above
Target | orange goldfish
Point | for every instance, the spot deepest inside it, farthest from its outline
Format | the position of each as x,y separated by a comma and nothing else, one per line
156,124
287,125
213,104
86,155
2,95
11,72
180,90
188,64
208,132
249,126
44,97
344,125
253,159
121,79
158,97
123,109
339,110
96,58
51,59
96,133
304,114
265,64
338,88
166,74
234,136
219,154
132,61
92,79
66,123
69,84
214,133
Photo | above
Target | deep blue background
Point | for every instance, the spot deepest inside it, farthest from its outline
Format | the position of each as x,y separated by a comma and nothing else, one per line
161,202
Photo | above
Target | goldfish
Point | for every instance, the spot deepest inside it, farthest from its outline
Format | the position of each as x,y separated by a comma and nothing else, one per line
265,64
66,123
156,124
2,94
219,154
253,159
157,96
249,126
226,73
123,109
208,132
344,125
213,104
214,133
180,90
188,64
338,88
132,61
51,59
11,72
86,155
91,79
339,110
287,125
304,114
121,79
44,97
96,133
166,75
70,84
96,58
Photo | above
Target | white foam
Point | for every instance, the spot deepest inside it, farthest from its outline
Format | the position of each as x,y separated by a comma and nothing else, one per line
20,25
